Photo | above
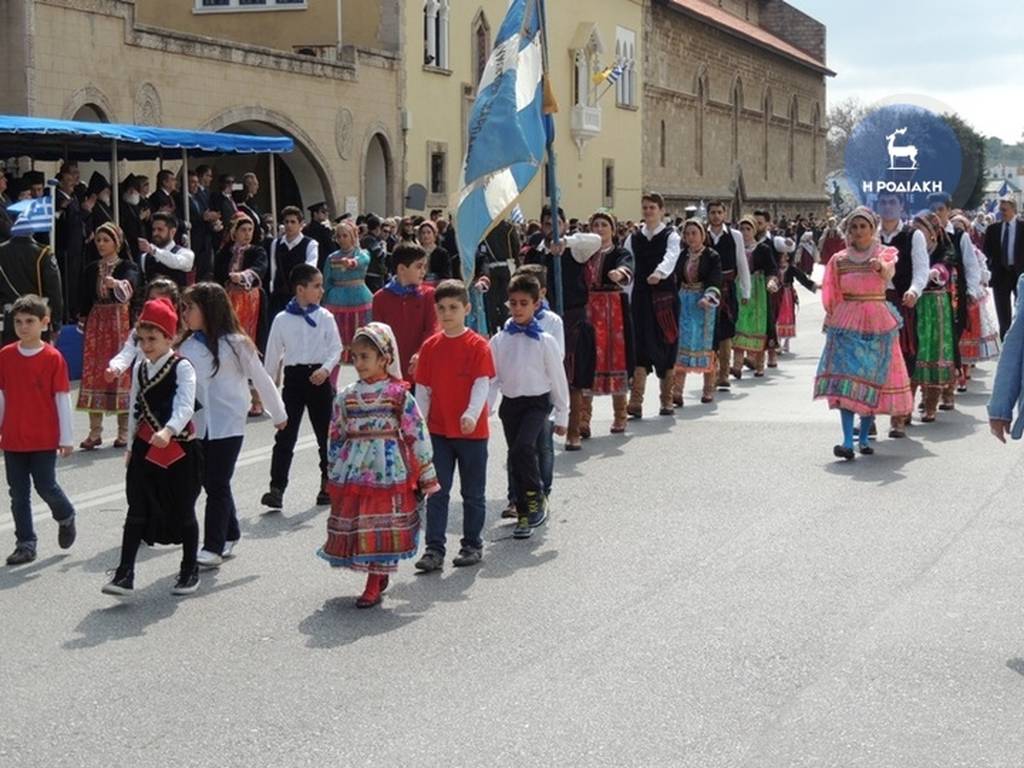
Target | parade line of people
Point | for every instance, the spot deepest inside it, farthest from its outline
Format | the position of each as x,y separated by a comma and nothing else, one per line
178,361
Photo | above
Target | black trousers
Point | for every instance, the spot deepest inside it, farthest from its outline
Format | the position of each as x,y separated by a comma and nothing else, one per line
300,394
1004,284
523,419
221,523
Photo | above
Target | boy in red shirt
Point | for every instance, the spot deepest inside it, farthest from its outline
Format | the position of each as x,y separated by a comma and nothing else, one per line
407,305
35,425
453,377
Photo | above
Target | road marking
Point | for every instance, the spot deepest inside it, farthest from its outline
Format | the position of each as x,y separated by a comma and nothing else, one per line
109,494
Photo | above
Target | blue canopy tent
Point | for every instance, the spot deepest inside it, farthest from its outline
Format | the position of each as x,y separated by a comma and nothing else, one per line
44,138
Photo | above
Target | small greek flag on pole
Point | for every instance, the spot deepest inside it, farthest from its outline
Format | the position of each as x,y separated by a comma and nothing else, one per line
506,142
615,74
517,216
33,216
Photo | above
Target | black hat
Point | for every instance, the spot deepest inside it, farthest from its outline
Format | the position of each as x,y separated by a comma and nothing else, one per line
34,177
344,217
316,207
97,183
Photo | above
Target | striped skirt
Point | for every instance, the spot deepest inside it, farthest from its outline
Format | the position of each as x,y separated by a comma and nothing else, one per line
371,532
935,364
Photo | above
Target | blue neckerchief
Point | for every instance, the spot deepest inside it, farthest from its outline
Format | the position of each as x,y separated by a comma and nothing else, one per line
531,329
200,337
401,290
293,308
544,309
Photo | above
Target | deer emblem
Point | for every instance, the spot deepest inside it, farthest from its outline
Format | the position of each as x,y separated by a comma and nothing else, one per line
909,152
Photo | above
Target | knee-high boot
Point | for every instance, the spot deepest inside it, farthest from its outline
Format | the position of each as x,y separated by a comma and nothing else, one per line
636,394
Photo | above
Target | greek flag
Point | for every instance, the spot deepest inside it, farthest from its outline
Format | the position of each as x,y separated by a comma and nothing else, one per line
615,74
33,216
506,141
516,216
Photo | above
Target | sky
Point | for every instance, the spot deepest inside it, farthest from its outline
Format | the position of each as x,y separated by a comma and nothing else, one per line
967,56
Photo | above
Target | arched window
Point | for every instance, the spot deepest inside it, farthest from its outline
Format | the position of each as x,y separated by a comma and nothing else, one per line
766,106
815,130
435,33
661,146
481,45
794,115
737,108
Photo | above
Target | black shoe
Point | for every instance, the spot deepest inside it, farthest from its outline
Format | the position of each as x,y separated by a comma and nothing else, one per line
866,450
432,560
274,498
122,585
323,498
21,555
188,581
537,519
667,412
468,556
66,534
842,452
897,434
947,407
522,529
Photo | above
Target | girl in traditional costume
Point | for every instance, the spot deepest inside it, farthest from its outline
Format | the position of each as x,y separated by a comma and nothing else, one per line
699,276
861,371
935,367
108,287
346,295
754,320
786,300
379,466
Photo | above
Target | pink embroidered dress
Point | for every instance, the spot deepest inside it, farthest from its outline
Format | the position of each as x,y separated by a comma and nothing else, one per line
861,367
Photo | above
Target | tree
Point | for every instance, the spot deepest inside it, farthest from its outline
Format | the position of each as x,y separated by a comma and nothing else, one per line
841,120
971,190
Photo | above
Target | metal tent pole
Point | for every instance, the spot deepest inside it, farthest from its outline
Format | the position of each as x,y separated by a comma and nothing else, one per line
185,196
114,185
273,193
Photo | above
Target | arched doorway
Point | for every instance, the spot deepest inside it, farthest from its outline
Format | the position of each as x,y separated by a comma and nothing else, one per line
90,113
377,181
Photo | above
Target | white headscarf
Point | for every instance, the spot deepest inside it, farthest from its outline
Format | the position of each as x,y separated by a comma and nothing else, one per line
383,338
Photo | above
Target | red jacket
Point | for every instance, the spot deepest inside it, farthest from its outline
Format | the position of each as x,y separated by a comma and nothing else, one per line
412,318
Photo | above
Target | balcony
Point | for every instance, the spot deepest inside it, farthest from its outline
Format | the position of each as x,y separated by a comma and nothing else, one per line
585,125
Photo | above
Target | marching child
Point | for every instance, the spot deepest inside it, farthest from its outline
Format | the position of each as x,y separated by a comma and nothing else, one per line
304,339
406,305
226,360
164,459
531,378
380,466
35,425
453,379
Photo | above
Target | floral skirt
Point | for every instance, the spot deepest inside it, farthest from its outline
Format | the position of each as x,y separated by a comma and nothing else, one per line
609,315
935,364
106,330
752,322
696,352
863,372
247,307
371,531
785,320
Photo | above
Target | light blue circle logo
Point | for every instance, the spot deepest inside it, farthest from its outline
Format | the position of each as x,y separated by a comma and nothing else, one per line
906,150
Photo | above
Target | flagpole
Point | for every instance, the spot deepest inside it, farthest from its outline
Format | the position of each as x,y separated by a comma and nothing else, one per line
552,175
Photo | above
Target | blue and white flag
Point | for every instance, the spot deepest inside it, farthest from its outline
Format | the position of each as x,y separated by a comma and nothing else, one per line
615,74
516,216
506,141
34,216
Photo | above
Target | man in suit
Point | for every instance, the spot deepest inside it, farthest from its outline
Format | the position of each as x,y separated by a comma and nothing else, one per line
319,229
1004,250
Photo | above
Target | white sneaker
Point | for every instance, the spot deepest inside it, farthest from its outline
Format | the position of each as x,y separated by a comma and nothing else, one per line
229,549
207,559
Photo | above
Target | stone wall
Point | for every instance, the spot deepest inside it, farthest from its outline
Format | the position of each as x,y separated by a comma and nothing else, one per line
795,27
740,122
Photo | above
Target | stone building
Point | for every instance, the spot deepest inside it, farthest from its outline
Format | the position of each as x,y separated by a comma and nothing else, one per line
734,104
324,73
597,127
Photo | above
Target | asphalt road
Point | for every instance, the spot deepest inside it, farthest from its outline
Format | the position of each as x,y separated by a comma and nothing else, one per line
713,590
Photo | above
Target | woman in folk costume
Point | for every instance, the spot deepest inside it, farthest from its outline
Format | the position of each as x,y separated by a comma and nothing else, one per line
806,253
831,241
607,273
786,300
109,286
980,339
347,296
699,276
935,366
754,321
861,371
379,466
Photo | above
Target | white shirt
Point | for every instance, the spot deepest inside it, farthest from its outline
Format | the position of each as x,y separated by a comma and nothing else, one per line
224,394
130,352
184,405
62,401
971,272
530,367
181,259
672,249
581,245
921,263
552,324
293,341
742,267
312,252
